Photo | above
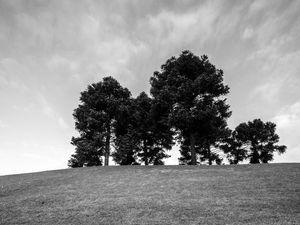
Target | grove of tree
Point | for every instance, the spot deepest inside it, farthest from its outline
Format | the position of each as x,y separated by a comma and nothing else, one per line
187,106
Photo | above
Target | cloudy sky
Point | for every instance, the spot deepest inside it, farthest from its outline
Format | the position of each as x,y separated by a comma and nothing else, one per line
51,50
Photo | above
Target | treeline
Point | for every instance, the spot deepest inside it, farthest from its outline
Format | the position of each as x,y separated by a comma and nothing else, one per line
187,106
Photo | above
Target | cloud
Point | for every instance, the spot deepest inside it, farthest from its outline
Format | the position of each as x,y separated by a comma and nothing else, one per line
289,117
181,27
268,91
288,123
11,72
50,112
257,6
278,78
46,108
248,33
58,61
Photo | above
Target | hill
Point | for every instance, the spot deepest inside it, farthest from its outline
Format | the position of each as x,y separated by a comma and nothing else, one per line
240,194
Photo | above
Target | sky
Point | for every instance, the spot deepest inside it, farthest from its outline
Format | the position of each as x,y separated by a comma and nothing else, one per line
51,50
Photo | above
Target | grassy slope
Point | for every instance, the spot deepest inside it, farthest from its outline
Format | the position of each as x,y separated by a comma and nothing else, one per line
244,194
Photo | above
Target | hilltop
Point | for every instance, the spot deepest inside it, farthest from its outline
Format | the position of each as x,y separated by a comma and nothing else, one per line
231,194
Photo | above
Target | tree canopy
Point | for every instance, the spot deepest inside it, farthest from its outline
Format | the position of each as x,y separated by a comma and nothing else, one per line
191,91
259,139
234,149
99,116
143,140
86,153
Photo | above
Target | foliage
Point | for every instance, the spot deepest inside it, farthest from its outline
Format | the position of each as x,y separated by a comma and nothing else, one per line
85,154
188,104
234,149
191,92
259,139
143,139
255,141
201,154
100,116
126,149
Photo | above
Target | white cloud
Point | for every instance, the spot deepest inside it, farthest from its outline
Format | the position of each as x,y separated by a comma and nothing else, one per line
289,117
268,91
45,106
57,61
248,33
278,28
258,5
288,123
278,73
177,28
90,26
11,73
270,51
48,110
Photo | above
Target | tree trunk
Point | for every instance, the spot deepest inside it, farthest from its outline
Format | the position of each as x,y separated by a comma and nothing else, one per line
107,145
193,151
255,157
209,154
146,158
145,153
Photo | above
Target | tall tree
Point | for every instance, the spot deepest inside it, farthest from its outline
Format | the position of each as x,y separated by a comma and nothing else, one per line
99,116
186,158
86,154
235,150
143,140
203,154
152,141
126,148
259,139
190,92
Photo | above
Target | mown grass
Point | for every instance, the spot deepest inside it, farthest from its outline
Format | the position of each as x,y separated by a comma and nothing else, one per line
243,194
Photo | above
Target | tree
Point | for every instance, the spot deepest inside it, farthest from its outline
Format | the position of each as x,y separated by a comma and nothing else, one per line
235,150
100,117
190,92
186,158
202,154
152,140
259,139
85,154
126,148
143,140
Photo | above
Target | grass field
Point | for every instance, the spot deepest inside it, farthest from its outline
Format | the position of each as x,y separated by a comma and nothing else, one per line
242,194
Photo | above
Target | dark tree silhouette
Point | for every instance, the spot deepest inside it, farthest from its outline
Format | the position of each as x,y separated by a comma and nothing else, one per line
202,154
144,139
258,139
126,148
86,154
235,150
190,94
98,118
188,105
